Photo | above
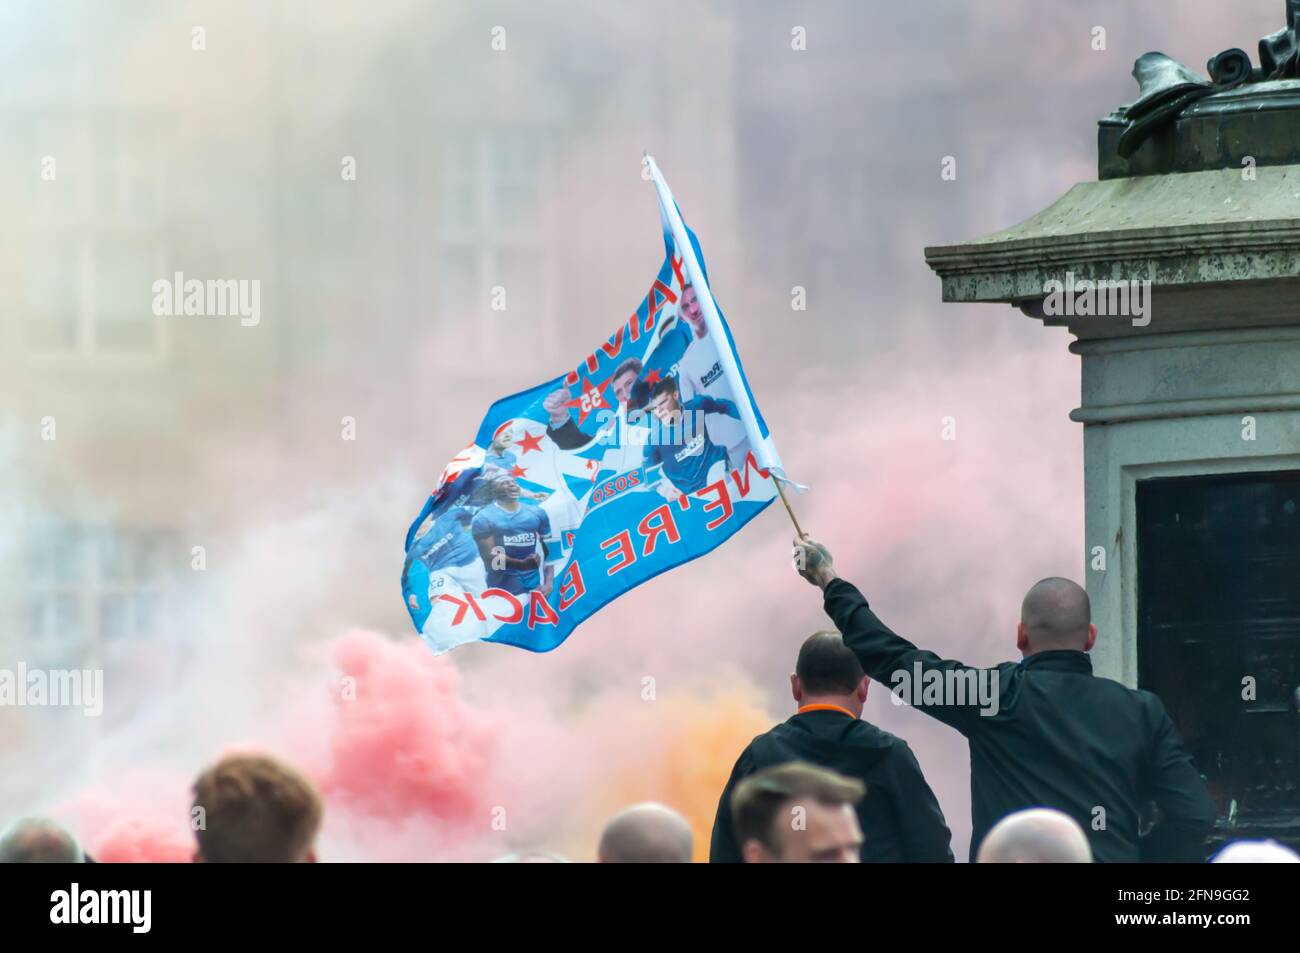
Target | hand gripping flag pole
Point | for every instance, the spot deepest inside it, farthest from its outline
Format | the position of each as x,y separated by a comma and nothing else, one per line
764,451
793,519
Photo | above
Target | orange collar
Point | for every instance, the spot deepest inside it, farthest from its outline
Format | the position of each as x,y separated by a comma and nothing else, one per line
842,711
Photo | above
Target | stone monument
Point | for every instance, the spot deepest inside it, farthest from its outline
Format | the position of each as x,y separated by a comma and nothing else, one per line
1178,273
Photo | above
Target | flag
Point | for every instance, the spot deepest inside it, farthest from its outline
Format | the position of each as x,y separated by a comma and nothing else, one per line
649,453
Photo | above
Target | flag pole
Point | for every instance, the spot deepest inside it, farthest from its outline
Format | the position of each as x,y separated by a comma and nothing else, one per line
793,519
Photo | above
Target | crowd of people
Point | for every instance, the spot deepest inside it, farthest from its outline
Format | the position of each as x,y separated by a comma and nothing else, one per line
1065,767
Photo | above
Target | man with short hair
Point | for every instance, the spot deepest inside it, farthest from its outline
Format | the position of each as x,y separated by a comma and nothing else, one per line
1057,736
39,840
646,834
900,818
255,809
1039,835
797,813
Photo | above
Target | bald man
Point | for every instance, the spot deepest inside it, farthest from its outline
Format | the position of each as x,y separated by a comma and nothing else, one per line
646,834
1037,836
39,840
1043,732
1256,852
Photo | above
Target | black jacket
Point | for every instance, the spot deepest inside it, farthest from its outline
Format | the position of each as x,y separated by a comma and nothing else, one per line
1061,738
900,817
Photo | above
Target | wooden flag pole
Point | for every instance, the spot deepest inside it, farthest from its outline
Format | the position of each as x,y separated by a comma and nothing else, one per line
793,519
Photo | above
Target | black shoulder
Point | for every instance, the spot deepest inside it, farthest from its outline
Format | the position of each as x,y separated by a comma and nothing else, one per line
870,736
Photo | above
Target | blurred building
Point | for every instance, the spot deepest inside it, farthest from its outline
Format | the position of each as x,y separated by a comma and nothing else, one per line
386,181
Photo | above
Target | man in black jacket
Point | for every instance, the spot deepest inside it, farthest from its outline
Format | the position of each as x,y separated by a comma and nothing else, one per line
1046,733
900,818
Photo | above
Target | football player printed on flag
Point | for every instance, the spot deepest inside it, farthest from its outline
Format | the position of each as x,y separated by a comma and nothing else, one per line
620,451
449,555
631,383
500,458
663,359
565,432
511,538
700,374
681,447
444,561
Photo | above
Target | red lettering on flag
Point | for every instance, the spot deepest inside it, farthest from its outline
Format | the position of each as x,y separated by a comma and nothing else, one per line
469,602
660,295
539,610
516,607
658,522
723,501
742,476
571,581
614,344
621,550
677,270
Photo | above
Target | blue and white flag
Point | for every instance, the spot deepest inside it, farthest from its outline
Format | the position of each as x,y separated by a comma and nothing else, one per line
649,453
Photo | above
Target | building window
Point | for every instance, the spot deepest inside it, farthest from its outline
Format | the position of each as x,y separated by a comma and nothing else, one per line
493,231
57,573
90,586
93,251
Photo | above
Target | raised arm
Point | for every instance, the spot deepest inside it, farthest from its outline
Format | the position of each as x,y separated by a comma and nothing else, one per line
889,658
560,427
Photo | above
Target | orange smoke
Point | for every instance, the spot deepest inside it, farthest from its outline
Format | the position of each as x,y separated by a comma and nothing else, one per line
678,750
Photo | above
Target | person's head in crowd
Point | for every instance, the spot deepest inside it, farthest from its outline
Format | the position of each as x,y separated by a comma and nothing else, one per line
625,377
1055,614
828,673
1039,835
797,813
531,857
1256,852
39,840
254,809
646,834
692,312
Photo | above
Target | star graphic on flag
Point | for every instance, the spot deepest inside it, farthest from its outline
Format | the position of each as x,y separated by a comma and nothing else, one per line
530,442
589,400
652,378
518,472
